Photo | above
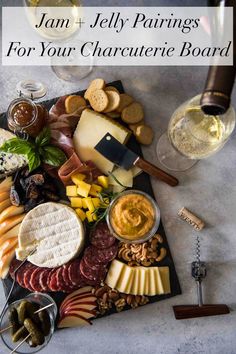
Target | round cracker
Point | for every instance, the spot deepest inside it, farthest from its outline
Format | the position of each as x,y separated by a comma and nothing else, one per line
97,84
114,101
125,100
133,113
73,103
144,134
111,88
99,100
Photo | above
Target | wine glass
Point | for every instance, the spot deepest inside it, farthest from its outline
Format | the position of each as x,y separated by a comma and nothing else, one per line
193,135
74,67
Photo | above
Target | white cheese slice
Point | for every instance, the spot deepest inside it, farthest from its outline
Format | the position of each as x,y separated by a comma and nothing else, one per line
152,288
55,231
125,280
114,273
9,163
136,281
158,281
165,278
142,282
92,127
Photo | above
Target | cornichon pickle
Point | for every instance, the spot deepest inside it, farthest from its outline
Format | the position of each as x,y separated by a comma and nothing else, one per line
22,311
45,322
20,334
13,319
36,334
31,343
31,308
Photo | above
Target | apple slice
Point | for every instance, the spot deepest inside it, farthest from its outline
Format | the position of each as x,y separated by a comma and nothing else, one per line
86,289
81,312
87,307
77,298
86,299
73,320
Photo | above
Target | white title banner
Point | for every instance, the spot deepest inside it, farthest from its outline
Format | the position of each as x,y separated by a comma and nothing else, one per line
114,36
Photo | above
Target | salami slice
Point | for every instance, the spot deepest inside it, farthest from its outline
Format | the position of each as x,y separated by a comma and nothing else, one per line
20,273
65,274
101,237
34,279
43,279
91,257
94,276
27,277
74,273
53,280
14,265
108,254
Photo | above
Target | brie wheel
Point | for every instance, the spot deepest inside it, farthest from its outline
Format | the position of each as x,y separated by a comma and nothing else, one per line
55,231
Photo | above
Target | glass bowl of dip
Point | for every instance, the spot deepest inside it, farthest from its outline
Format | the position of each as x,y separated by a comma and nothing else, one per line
133,217
42,300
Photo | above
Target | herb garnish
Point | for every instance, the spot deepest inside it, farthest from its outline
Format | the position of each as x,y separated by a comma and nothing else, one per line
37,151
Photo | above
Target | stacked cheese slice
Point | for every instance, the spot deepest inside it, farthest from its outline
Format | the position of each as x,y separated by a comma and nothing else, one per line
138,280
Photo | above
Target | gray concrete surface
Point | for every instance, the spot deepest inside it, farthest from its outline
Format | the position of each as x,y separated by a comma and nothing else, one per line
209,189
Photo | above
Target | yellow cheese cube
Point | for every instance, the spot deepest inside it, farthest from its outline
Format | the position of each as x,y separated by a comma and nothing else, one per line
80,213
77,178
84,204
95,190
103,181
76,202
83,188
88,201
96,202
91,216
71,191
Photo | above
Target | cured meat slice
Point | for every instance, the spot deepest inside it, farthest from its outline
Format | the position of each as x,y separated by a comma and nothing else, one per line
53,280
65,274
101,237
43,279
92,275
27,277
74,273
20,274
108,254
91,257
14,264
34,279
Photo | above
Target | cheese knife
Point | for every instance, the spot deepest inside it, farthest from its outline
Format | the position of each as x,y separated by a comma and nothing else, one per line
120,155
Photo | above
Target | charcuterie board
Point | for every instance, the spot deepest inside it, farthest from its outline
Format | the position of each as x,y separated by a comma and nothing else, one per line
141,182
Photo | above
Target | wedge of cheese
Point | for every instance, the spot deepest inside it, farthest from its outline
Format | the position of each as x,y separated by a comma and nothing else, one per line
92,127
55,231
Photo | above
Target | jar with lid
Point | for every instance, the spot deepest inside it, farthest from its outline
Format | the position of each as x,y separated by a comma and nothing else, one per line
23,114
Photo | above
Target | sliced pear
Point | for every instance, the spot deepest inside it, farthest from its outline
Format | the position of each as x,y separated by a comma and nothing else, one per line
73,320
11,211
5,204
8,224
4,195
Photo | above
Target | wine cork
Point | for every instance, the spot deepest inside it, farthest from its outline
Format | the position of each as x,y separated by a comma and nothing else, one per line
191,219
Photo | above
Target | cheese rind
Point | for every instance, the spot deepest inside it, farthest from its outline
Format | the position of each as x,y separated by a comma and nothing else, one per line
55,231
92,127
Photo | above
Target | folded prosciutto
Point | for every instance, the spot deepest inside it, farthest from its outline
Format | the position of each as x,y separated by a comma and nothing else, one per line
62,127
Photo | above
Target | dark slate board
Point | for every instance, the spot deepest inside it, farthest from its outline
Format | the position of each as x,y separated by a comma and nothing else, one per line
141,182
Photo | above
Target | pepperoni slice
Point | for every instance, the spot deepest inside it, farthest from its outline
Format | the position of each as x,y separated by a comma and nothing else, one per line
108,254
101,237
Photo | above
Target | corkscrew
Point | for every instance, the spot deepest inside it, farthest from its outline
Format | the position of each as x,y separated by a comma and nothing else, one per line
199,272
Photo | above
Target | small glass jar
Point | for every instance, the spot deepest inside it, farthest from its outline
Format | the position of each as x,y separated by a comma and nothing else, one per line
23,114
41,299
130,218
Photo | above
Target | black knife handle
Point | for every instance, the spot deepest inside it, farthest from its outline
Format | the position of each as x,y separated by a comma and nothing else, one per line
154,171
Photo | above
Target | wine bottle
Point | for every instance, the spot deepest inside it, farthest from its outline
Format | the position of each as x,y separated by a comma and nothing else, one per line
216,96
